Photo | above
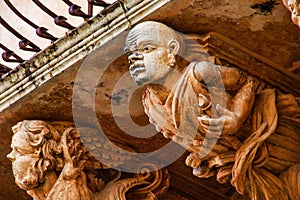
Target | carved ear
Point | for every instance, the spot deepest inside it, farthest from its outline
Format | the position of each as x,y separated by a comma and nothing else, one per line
173,46
173,49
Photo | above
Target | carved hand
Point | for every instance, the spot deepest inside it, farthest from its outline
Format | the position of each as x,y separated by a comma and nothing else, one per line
228,123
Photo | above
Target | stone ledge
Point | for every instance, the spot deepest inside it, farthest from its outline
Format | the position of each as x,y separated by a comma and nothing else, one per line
74,47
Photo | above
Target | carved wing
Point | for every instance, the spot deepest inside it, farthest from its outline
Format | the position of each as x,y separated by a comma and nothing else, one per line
108,153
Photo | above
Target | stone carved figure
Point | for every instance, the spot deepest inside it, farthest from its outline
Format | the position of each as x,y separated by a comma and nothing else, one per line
256,127
294,7
29,167
50,162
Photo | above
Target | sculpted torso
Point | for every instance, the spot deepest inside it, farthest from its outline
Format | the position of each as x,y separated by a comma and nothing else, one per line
232,124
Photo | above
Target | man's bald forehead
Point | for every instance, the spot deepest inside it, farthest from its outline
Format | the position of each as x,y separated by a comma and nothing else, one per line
154,31
149,33
153,28
153,25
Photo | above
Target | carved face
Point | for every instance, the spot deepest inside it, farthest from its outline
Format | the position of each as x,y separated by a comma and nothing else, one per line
23,157
294,7
151,50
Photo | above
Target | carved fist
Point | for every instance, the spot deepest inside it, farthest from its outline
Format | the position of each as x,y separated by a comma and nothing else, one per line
193,160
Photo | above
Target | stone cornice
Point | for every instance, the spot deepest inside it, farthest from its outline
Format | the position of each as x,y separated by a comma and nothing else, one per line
75,46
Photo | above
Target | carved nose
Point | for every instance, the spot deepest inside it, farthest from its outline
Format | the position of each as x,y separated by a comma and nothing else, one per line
135,57
11,156
295,11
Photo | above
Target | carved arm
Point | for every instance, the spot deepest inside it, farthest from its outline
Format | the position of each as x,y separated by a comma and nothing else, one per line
236,83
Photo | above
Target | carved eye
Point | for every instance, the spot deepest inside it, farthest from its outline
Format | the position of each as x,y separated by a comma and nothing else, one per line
18,151
291,5
148,48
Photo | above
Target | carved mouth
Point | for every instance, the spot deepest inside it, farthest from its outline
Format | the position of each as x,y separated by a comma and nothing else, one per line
137,69
17,172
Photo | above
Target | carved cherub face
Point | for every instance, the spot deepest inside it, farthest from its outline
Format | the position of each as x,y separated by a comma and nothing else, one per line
23,156
294,7
35,151
151,48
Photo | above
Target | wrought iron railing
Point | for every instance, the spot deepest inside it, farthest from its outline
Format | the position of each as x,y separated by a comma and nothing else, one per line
25,43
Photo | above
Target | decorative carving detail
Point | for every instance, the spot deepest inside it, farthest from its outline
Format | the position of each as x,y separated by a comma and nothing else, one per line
294,7
50,162
235,126
248,61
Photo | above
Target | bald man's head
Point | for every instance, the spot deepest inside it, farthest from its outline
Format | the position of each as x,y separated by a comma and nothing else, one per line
155,32
151,48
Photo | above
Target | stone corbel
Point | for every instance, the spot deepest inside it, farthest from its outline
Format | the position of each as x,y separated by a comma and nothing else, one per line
50,161
221,109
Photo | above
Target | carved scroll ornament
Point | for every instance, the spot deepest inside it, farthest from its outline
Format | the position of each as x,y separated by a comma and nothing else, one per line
236,127
50,162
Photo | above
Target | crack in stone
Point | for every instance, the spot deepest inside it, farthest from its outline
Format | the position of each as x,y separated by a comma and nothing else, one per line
125,11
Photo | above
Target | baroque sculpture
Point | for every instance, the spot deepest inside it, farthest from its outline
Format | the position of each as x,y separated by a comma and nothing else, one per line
234,126
51,162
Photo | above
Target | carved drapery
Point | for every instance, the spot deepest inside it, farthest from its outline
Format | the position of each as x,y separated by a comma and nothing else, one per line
50,161
260,158
236,126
